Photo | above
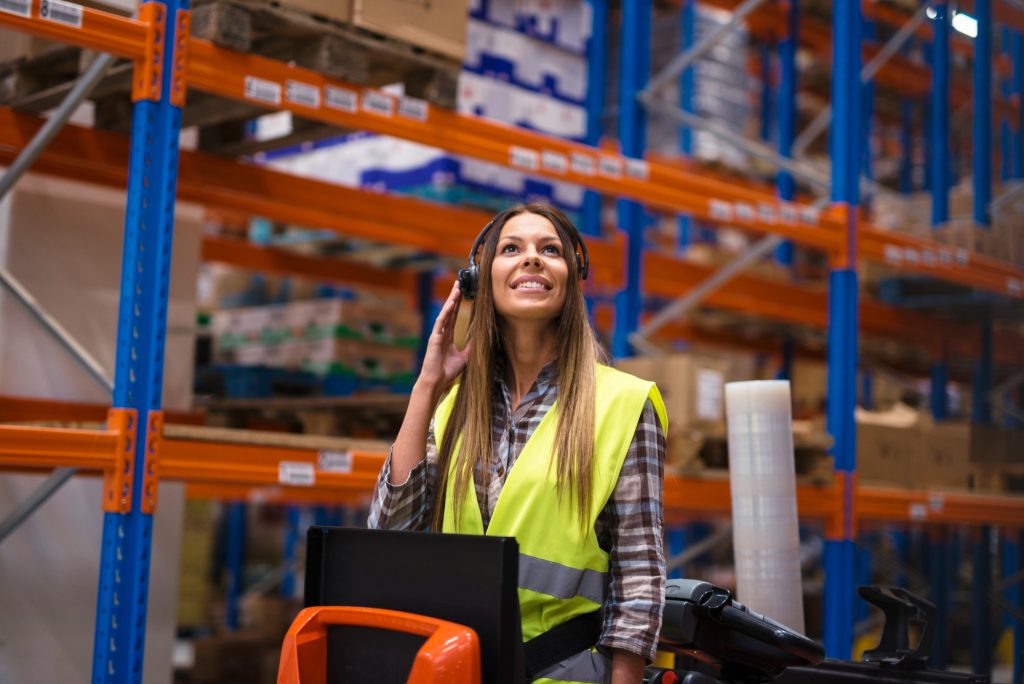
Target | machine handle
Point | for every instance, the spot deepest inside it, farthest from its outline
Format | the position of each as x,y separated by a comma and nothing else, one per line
450,654
778,636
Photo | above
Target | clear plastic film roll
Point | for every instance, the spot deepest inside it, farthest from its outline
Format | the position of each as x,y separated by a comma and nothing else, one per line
766,537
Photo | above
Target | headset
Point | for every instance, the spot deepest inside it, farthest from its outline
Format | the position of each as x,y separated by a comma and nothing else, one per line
469,278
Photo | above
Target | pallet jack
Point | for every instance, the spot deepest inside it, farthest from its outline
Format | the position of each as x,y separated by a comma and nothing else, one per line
716,639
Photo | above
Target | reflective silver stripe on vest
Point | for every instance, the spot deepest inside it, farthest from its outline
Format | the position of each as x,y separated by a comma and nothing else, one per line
560,581
588,666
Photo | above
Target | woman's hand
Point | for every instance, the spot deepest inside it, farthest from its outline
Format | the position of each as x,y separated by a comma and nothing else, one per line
443,361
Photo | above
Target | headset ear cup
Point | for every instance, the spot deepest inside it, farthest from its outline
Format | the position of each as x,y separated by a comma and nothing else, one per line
468,278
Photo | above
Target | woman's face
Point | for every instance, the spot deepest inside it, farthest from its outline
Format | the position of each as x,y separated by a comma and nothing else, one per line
529,272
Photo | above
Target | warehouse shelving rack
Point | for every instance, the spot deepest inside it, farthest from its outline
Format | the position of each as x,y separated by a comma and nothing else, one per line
136,448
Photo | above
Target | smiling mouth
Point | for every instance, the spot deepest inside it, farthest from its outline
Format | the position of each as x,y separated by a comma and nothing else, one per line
532,286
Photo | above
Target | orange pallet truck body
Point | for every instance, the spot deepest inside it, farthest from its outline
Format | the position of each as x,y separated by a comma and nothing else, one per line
451,653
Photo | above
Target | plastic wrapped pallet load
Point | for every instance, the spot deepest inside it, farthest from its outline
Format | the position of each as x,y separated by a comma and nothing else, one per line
766,539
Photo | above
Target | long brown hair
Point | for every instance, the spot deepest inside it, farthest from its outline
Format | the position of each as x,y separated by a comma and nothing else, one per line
576,352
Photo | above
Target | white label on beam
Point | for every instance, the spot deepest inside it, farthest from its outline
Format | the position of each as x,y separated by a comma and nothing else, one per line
912,256
413,108
789,213
303,94
609,166
1014,286
945,257
523,157
810,215
893,254
930,258
296,473
378,103
962,257
334,462
61,12
582,164
745,211
262,91
20,8
637,168
554,161
766,212
341,98
720,210
918,511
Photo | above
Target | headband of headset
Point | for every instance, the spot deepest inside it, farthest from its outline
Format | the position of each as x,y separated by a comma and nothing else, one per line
470,277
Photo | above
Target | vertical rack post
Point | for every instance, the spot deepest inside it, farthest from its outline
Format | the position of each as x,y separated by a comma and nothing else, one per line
1005,91
867,389
597,69
939,380
425,305
906,146
290,554
687,22
982,122
634,70
234,562
786,114
869,32
938,131
844,141
981,582
939,572
981,407
123,588
1017,128
1011,565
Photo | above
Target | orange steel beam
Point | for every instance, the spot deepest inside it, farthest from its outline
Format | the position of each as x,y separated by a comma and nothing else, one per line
99,156
36,448
101,31
227,73
29,409
246,255
897,505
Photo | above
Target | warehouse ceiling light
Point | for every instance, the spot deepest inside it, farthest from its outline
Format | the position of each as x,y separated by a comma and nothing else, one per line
964,23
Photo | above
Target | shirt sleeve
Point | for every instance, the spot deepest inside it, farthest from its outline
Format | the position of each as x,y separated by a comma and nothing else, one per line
409,505
634,520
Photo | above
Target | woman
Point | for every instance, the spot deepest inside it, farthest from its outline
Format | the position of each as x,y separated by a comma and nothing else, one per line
534,463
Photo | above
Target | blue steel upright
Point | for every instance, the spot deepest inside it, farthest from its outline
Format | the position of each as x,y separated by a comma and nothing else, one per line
938,391
597,59
981,406
785,112
982,120
1011,565
138,380
938,131
981,582
1017,131
845,143
634,71
687,22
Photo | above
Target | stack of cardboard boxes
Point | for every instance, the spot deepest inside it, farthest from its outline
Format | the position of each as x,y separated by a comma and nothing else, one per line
350,343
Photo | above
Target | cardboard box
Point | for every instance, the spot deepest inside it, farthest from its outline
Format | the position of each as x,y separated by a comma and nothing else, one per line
691,385
887,455
231,658
436,26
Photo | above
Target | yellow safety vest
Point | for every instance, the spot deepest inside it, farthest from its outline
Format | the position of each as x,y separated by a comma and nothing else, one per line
563,572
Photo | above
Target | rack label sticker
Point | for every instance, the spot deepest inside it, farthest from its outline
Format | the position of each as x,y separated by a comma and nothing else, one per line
710,384
523,157
936,502
810,215
302,94
766,212
637,168
341,98
745,212
378,103
413,108
929,257
945,257
334,462
962,257
918,511
61,12
789,213
893,254
582,163
296,473
21,8
262,91
720,210
609,166
912,256
1014,286
554,161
